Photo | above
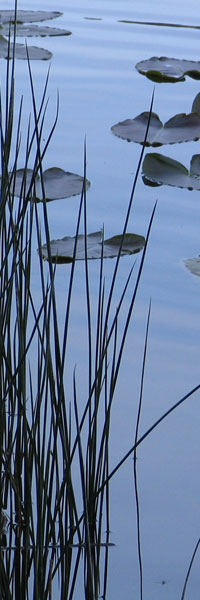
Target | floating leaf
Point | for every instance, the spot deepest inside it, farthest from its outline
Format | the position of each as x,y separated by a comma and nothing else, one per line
8,23
133,130
62,250
196,104
28,16
159,24
180,128
34,53
164,170
193,264
93,18
33,30
57,184
165,69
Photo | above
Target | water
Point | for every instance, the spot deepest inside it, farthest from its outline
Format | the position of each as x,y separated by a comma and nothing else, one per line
93,70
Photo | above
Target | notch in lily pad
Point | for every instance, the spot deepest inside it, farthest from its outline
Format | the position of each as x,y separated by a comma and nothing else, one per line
62,250
168,70
57,184
163,170
180,128
8,24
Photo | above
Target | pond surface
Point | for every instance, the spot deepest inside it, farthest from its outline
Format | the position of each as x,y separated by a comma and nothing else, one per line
94,73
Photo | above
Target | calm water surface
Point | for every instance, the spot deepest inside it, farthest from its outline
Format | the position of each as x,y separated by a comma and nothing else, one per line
93,70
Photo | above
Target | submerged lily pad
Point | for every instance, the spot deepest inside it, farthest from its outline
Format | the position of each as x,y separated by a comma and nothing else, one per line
164,170
62,250
57,184
34,53
165,69
193,265
180,128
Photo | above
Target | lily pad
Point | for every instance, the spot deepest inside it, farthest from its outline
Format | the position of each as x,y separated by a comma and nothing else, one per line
62,250
57,184
93,18
33,30
8,23
193,265
165,69
34,53
159,24
165,170
180,128
28,16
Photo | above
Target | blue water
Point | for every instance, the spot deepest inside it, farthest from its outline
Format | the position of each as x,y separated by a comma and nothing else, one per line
93,71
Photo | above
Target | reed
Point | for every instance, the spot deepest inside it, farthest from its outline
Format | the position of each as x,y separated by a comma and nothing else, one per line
54,532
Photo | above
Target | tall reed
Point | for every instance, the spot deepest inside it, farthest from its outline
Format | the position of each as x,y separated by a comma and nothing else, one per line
54,532
51,529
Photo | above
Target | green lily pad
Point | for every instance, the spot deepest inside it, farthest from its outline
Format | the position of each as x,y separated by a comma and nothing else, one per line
62,250
180,128
163,170
57,184
34,53
193,265
165,69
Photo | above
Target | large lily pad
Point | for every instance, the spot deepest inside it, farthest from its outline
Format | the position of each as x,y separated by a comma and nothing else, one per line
193,265
34,53
165,69
57,184
62,250
180,128
165,170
